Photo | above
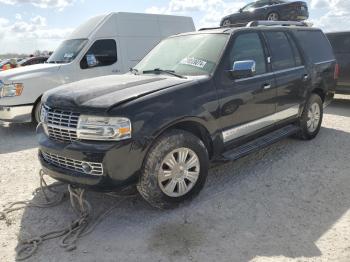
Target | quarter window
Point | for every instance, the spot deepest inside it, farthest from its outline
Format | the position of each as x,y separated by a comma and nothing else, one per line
101,53
282,56
249,47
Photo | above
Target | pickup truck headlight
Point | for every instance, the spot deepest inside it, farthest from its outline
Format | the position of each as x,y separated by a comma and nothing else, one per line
11,90
103,128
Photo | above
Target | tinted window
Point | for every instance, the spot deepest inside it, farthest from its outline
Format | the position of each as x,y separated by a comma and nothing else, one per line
315,45
282,56
340,43
248,47
297,56
101,53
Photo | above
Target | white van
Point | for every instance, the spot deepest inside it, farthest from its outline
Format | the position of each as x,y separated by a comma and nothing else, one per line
104,45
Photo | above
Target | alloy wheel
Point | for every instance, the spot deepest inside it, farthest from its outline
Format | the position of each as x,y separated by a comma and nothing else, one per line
314,116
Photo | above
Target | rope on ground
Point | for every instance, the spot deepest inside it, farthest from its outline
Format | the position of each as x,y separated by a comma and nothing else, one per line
58,198
81,226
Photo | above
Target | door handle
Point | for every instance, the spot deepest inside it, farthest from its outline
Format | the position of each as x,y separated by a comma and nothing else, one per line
266,86
115,71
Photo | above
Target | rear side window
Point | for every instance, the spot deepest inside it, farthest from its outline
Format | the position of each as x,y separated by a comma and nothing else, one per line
340,43
282,56
101,53
249,47
315,45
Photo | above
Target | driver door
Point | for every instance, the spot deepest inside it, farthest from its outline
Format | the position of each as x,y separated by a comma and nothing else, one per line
247,104
101,59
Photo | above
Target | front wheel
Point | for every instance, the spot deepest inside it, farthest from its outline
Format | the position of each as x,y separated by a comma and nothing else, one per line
311,118
175,169
37,112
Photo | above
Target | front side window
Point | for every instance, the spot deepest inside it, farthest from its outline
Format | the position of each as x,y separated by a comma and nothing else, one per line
196,54
249,47
67,51
282,56
101,53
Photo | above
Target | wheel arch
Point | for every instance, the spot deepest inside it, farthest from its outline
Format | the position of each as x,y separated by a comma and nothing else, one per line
193,126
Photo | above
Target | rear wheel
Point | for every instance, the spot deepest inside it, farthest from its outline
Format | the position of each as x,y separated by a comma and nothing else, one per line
273,16
227,22
311,118
175,169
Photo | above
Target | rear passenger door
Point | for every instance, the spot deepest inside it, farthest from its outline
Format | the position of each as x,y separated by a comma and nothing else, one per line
290,74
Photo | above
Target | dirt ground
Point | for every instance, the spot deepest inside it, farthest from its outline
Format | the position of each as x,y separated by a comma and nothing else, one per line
289,202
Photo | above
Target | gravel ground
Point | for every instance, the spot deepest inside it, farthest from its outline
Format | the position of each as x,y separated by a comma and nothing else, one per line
289,202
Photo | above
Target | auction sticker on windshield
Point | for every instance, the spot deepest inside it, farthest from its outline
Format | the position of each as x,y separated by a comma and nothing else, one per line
193,62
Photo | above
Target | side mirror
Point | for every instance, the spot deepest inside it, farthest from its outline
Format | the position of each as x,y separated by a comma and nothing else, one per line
240,10
243,69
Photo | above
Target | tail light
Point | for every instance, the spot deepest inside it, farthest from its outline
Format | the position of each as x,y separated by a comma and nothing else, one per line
336,72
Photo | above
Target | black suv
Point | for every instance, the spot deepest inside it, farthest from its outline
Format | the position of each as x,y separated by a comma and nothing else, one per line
341,46
212,95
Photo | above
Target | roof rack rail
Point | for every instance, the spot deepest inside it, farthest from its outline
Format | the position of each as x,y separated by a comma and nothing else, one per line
276,23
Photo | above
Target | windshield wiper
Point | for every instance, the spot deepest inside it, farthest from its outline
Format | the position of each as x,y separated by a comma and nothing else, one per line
159,71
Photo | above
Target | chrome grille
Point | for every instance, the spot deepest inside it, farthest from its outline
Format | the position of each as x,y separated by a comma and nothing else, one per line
61,125
88,168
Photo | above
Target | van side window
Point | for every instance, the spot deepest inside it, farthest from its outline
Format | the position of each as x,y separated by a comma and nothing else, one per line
101,53
340,43
248,46
282,56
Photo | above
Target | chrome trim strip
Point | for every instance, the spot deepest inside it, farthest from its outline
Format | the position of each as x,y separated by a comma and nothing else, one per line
256,125
325,62
270,73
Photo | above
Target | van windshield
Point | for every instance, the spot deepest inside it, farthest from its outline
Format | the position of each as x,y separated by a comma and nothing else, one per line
185,55
67,51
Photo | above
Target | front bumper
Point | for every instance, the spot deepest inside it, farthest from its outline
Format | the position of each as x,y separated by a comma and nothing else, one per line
121,162
16,114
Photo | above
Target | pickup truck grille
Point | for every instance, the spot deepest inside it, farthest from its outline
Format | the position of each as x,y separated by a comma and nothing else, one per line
88,168
61,125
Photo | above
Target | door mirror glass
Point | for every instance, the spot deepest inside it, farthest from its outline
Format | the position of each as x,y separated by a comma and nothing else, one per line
243,69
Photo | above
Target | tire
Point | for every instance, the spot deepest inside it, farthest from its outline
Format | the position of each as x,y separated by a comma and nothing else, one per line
311,119
226,22
36,112
273,16
162,185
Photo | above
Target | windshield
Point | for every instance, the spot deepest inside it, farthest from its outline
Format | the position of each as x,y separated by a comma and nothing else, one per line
67,51
186,55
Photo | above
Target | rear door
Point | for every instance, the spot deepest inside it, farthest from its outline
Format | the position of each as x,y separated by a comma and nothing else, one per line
289,71
247,104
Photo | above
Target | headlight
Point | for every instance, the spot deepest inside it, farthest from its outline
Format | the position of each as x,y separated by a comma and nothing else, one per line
103,128
11,90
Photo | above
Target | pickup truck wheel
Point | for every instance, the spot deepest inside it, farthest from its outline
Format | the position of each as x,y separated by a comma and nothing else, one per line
175,169
36,112
311,118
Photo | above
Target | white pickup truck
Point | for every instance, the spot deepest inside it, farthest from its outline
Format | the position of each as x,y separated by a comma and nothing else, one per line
104,45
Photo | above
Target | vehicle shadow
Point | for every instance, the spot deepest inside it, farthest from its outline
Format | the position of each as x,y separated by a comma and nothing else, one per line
340,107
277,202
16,137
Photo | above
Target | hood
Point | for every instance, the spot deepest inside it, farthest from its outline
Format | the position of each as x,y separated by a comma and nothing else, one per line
22,73
109,91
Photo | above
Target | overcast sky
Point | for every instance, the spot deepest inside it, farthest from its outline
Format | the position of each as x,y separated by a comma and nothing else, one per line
27,25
